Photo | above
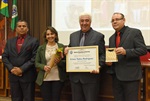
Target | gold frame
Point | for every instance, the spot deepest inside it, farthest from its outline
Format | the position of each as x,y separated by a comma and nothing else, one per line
80,52
111,55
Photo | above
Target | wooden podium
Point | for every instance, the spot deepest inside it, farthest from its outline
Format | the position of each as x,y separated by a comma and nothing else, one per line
146,81
145,62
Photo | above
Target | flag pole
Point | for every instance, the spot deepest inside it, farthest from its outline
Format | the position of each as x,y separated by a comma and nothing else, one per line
5,29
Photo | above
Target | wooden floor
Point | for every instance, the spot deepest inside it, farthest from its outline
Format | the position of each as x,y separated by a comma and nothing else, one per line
9,99
5,99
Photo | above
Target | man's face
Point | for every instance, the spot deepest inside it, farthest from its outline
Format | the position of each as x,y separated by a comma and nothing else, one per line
22,28
117,22
85,23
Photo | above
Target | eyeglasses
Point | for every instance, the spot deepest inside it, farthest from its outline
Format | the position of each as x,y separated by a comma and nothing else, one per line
117,19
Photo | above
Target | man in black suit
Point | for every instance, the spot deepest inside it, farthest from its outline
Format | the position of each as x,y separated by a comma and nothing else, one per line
127,72
18,58
84,85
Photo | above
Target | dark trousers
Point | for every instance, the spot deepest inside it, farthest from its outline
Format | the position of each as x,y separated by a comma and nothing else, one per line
22,91
84,92
51,90
125,90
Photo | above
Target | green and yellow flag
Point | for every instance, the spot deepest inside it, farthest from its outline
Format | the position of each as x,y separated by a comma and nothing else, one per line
14,15
4,8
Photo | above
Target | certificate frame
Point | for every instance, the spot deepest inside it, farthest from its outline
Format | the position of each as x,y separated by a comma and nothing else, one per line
82,59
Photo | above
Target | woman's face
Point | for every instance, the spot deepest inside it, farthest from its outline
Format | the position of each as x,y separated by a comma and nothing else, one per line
50,36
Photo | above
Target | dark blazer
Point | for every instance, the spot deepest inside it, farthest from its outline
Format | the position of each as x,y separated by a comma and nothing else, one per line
93,38
24,60
128,67
40,62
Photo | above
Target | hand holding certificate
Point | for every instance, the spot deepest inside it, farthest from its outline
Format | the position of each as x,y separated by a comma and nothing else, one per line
82,59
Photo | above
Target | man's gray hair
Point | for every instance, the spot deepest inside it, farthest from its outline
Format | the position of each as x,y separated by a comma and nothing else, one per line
86,13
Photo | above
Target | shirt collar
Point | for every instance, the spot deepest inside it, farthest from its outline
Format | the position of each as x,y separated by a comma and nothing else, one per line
86,32
122,30
22,36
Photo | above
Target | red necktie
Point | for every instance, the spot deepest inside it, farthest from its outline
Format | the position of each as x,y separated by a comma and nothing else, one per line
19,44
118,39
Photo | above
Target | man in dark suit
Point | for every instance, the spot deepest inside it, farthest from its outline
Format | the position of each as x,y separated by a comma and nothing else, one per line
18,58
127,72
85,86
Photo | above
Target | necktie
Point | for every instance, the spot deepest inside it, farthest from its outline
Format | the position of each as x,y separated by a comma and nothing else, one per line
82,40
19,43
118,39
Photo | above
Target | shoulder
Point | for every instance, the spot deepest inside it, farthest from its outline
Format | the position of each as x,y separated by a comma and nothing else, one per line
42,46
112,36
132,29
75,33
96,33
32,38
60,45
11,40
133,32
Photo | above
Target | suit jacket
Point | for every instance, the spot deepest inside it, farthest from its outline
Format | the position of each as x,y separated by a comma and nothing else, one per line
93,38
128,67
40,62
25,59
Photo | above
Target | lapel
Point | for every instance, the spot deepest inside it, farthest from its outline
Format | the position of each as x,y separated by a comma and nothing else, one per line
77,39
113,43
124,36
43,48
59,45
13,43
88,38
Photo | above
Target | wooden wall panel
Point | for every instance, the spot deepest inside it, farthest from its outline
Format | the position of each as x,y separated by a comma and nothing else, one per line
1,75
2,80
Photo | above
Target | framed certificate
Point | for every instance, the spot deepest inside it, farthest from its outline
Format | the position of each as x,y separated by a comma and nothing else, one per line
82,59
111,55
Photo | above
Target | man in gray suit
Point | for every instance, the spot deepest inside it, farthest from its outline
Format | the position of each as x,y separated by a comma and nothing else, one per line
85,86
127,72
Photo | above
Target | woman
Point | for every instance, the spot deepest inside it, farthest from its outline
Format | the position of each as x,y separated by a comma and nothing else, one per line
50,79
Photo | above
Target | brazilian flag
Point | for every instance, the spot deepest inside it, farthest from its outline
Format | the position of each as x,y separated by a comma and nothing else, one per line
4,8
